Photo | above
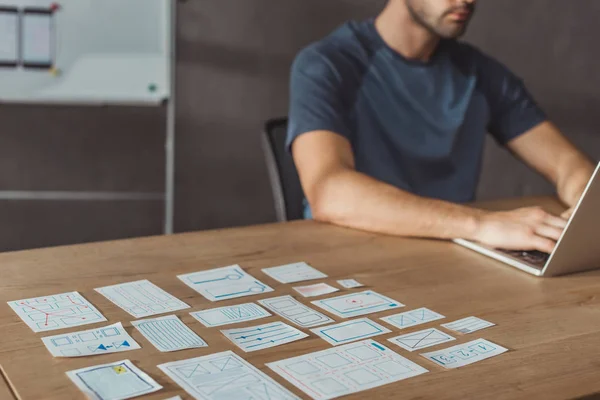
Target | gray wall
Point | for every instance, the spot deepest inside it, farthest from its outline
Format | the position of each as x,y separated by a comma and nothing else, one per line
233,65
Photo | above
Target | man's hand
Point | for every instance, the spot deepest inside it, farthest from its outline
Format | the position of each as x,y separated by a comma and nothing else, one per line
522,229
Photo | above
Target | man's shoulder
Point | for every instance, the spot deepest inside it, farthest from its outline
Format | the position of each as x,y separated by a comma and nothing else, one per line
343,50
468,53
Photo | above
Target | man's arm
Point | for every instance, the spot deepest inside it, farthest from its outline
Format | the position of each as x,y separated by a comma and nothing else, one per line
338,194
546,150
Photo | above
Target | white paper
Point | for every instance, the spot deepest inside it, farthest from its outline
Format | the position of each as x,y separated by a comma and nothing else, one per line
59,311
465,354
114,381
142,298
92,342
356,304
169,333
349,283
468,325
412,318
318,289
224,283
261,337
224,376
421,339
292,273
174,398
230,314
350,331
347,369
295,312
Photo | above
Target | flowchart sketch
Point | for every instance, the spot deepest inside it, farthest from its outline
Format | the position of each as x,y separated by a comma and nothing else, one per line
59,311
350,331
230,314
263,336
224,376
141,298
356,304
224,283
465,354
295,312
421,339
115,381
109,339
292,273
169,334
318,289
347,369
412,318
468,325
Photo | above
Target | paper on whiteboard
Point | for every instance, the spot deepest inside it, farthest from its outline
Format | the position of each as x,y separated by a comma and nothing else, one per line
318,289
356,304
349,283
421,339
169,333
224,283
93,342
350,331
141,298
295,312
230,314
465,354
346,369
263,336
292,273
59,311
412,318
115,381
468,325
222,376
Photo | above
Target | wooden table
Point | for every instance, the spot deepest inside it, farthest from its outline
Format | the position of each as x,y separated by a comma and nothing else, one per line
551,326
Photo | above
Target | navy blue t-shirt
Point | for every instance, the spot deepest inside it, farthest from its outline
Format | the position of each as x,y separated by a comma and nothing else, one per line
415,125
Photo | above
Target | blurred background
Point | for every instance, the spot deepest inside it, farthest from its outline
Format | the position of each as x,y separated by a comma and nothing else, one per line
232,69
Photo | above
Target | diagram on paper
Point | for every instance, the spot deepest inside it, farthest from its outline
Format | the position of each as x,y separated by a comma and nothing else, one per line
468,325
169,333
347,369
224,283
464,354
230,314
350,331
114,381
412,318
224,376
356,304
141,298
59,311
110,339
292,273
263,336
295,312
422,339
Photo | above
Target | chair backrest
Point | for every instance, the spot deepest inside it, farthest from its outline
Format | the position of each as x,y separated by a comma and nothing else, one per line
285,183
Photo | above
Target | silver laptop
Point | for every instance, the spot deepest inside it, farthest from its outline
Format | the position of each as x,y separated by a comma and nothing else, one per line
577,250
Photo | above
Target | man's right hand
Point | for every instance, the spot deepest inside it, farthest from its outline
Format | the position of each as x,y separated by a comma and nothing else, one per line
529,228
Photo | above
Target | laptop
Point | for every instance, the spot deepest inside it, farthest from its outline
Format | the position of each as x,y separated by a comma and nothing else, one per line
577,250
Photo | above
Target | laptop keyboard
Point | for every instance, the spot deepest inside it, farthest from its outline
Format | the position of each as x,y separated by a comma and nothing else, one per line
534,257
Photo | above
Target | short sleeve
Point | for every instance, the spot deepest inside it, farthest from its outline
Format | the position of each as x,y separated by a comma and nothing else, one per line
513,111
319,95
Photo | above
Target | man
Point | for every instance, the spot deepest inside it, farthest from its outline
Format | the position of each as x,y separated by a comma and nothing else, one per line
387,125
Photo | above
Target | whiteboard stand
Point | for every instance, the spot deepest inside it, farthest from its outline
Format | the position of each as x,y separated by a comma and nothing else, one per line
96,66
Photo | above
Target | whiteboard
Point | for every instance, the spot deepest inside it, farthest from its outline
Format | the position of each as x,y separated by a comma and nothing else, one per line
105,51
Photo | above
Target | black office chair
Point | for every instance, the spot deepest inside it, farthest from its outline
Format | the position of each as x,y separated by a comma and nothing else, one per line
285,183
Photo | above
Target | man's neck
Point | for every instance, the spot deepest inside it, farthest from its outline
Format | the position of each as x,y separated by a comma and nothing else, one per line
402,33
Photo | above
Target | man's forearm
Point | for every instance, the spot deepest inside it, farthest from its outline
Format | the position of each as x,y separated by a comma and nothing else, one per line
352,199
573,175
